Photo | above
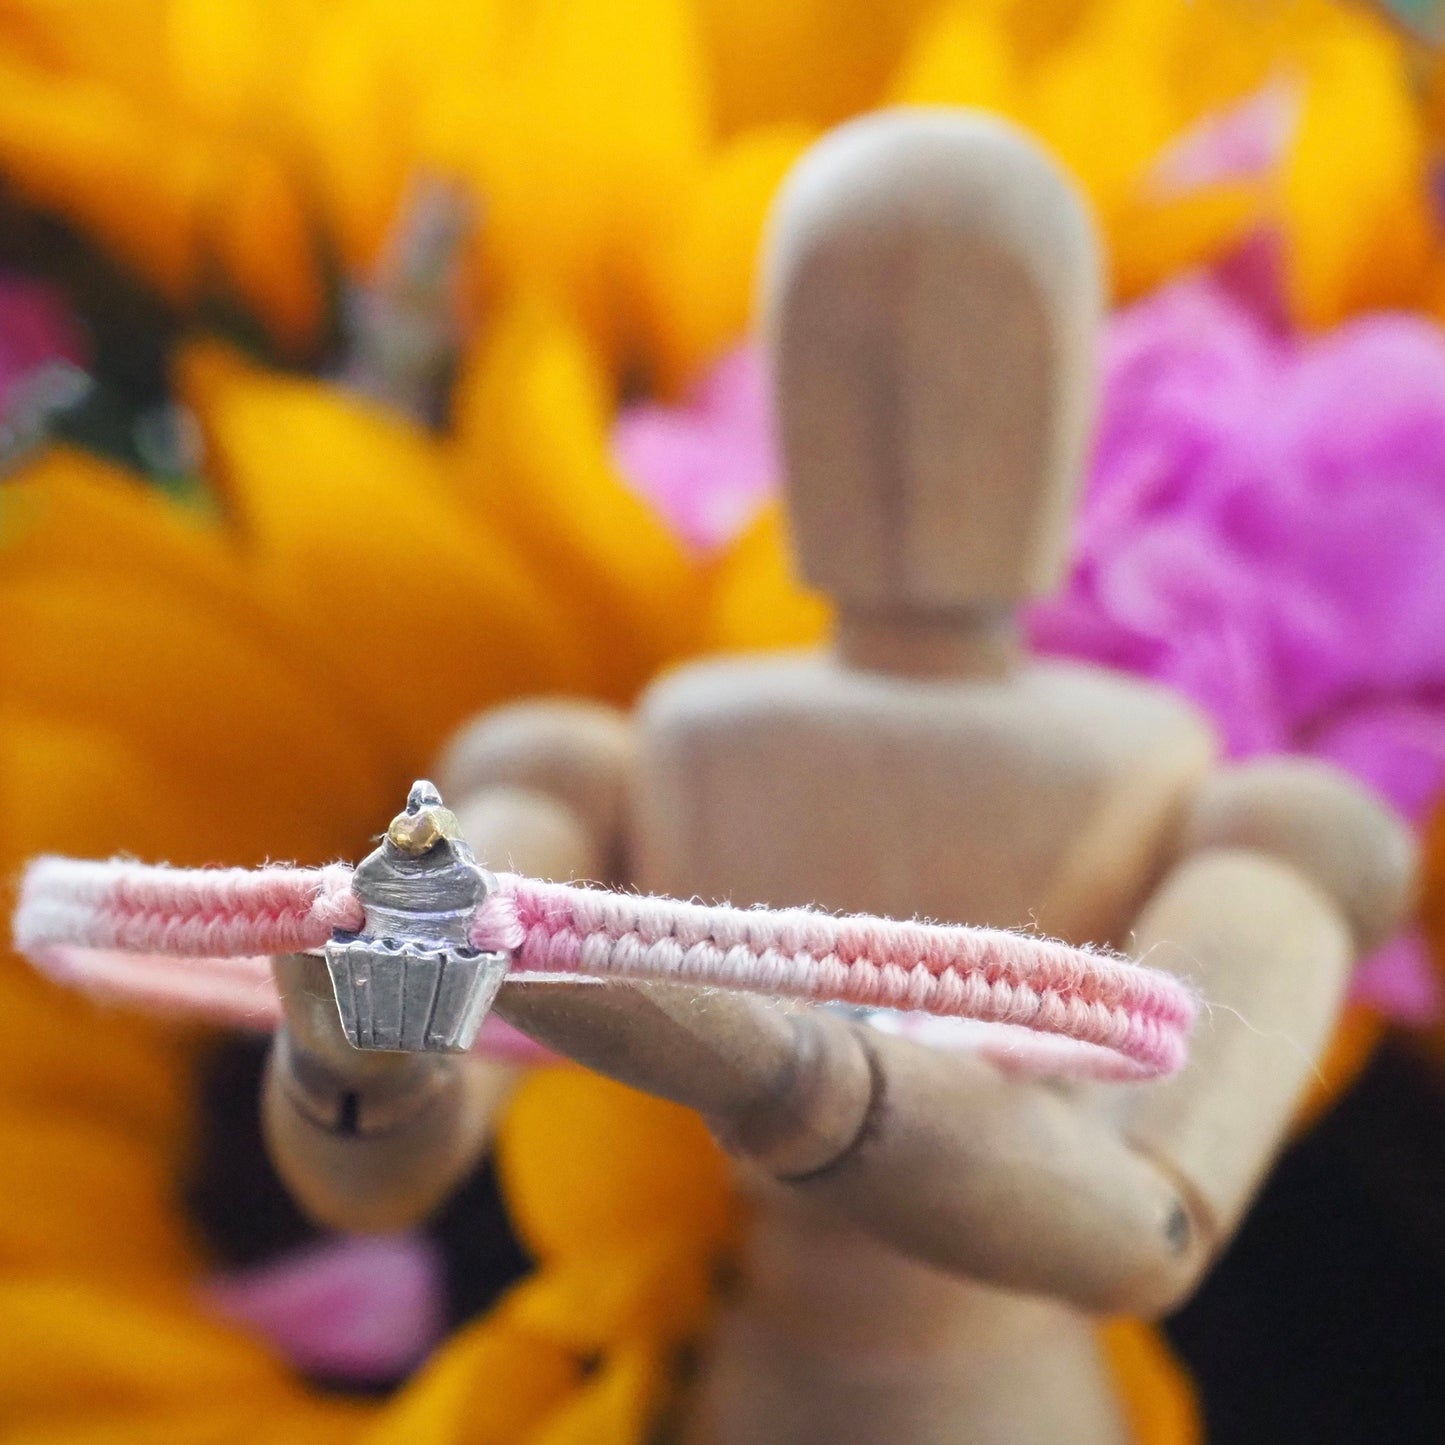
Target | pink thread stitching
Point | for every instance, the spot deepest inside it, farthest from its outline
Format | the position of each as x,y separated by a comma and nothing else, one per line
1132,1021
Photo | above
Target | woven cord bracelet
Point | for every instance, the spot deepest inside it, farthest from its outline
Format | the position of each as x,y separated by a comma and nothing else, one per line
419,938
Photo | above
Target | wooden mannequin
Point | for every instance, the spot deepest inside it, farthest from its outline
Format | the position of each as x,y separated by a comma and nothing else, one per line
932,1234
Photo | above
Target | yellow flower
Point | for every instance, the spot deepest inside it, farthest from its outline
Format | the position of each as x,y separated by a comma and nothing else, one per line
529,455
621,152
1116,83
624,1202
813,62
85,131
205,688
1112,86
1355,195
259,680
701,291
219,144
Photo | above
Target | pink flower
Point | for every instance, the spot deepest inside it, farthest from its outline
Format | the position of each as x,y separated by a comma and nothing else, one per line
363,1308
35,328
1244,143
1263,528
1263,525
709,464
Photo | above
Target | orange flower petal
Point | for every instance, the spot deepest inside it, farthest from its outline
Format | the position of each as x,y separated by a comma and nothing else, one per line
80,789
593,128
1103,106
1154,242
706,281
1158,1397
235,65
133,1075
617,1404
295,1418
1355,1039
75,1352
489,1385
59,1165
656,1287
260,236
815,61
532,457
233,724
82,150
121,43
426,614
757,601
1354,201
354,126
961,55
586,1164
67,510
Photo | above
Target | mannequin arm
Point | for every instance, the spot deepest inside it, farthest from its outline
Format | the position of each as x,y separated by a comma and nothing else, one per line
1111,1198
935,1153
366,1142
1290,873
375,1141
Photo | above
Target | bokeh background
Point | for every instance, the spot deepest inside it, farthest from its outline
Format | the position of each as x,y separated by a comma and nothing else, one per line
366,363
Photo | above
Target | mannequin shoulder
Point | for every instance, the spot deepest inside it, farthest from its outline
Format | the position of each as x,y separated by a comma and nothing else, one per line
1342,836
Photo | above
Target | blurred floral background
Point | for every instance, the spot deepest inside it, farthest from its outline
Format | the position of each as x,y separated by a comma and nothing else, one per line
363,364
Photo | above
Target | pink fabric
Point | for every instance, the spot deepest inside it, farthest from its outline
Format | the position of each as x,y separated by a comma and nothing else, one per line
123,929
221,912
353,1308
1138,1016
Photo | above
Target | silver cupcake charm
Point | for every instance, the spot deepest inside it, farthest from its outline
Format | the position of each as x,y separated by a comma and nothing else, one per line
410,980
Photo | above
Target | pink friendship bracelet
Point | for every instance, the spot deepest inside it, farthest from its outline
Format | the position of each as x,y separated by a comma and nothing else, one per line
419,939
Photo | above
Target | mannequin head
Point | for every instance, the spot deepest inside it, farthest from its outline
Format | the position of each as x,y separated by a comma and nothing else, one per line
933,294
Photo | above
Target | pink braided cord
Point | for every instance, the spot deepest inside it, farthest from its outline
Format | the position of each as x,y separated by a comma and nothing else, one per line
190,913
121,928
